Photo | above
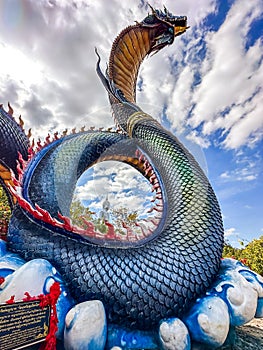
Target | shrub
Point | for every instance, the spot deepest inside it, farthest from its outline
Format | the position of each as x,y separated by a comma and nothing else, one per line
5,211
251,255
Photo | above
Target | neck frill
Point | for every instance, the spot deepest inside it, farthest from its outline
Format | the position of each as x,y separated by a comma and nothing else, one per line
128,51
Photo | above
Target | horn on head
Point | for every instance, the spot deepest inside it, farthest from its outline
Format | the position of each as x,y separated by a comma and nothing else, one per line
153,10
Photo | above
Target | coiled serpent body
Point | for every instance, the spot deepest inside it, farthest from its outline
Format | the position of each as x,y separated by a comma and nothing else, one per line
161,274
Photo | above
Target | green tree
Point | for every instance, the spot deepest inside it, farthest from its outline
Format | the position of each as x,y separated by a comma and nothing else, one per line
5,211
231,252
251,254
123,215
79,213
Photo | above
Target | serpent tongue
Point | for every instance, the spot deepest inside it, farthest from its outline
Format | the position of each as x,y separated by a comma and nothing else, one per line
180,30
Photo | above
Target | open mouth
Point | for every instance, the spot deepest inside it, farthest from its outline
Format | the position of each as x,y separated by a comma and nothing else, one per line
180,25
169,28
180,21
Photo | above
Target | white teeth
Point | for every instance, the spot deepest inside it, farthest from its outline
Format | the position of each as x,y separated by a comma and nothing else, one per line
155,186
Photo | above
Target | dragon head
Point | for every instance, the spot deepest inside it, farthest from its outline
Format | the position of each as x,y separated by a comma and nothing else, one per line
165,27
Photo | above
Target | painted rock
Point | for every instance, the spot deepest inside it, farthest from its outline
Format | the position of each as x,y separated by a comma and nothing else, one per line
174,335
259,311
9,262
239,294
256,282
2,248
208,321
35,277
86,327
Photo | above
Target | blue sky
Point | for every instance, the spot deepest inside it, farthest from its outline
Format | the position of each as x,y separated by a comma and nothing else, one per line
206,88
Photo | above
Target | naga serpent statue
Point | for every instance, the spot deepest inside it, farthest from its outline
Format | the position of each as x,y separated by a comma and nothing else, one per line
156,273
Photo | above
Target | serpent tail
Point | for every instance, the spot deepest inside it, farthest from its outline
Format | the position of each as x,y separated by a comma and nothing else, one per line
162,271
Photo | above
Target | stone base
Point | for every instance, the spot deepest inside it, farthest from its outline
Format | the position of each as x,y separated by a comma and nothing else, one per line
246,338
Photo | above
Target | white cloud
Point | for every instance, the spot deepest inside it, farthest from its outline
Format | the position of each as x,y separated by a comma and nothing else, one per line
47,51
238,175
232,79
50,51
232,236
10,57
247,168
248,127
198,139
180,100
47,72
230,232
225,175
121,183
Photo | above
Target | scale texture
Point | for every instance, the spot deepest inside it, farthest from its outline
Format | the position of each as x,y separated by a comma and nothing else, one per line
163,274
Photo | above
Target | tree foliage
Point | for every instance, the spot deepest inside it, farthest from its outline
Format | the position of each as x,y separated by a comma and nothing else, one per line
5,211
117,217
125,216
251,255
78,212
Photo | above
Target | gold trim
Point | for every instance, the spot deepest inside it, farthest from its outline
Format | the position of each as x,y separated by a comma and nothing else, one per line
134,118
